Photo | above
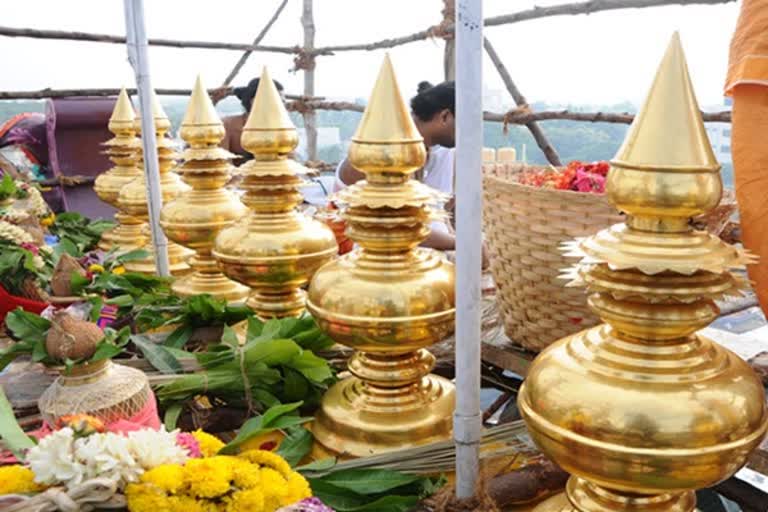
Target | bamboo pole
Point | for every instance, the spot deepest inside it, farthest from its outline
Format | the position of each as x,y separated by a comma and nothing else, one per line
310,117
66,93
449,51
467,422
136,37
299,103
538,134
244,57
113,39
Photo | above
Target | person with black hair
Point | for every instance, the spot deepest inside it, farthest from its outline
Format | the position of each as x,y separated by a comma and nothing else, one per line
433,112
234,124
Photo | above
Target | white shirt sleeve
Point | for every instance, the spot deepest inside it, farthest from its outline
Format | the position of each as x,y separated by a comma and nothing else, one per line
337,183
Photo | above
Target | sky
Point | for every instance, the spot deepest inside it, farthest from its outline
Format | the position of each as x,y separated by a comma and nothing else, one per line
603,58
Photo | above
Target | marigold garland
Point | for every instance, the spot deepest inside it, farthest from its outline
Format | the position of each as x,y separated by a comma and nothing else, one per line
255,480
18,480
209,445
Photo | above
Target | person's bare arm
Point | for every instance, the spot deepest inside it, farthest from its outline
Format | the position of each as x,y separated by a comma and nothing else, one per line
440,240
348,174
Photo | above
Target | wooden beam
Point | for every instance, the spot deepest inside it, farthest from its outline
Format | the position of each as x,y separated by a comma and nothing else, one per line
244,57
107,38
67,93
538,134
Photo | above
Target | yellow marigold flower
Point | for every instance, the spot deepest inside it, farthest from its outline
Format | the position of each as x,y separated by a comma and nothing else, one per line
146,498
209,445
209,477
298,488
120,270
49,220
268,459
96,268
168,477
247,475
251,500
18,480
275,489
190,504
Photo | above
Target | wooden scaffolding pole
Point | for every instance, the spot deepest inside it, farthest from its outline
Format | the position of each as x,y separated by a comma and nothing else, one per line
308,65
247,53
449,52
538,134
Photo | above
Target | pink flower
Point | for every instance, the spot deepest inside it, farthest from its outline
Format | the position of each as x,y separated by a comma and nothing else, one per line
30,247
589,182
188,441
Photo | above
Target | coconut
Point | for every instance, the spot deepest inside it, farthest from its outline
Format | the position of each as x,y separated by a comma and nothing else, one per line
61,282
70,338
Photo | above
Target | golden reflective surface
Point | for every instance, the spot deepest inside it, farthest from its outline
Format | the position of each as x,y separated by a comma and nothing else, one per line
123,151
196,216
132,199
388,299
274,249
641,410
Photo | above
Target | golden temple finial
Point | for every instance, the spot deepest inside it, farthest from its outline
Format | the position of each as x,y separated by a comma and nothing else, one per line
196,216
200,111
276,249
268,111
387,117
646,410
123,114
668,131
389,299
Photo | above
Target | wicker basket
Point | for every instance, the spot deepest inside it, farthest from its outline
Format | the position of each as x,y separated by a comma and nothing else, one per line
525,227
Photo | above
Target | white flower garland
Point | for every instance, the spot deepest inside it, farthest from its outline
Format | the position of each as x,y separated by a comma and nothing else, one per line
62,459
14,233
37,204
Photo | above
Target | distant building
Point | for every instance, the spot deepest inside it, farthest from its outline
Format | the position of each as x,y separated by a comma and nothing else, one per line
720,137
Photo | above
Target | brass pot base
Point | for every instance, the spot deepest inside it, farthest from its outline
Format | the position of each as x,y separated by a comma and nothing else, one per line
214,284
583,496
358,420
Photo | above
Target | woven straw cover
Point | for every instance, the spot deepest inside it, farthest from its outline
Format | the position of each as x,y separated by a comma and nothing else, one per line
107,391
525,227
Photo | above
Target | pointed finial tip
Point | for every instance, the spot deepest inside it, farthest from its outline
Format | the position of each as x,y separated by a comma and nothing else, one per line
123,111
200,111
267,110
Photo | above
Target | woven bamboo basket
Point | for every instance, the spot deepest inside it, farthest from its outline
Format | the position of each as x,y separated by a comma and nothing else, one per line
525,227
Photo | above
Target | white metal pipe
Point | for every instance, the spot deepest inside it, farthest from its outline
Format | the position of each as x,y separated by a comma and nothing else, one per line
467,423
136,42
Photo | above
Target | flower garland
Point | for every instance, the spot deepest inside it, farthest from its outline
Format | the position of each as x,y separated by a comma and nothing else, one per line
62,458
256,480
577,177
14,234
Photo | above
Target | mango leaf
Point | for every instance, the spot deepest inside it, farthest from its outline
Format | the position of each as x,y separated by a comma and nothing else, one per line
97,303
273,419
172,414
157,355
390,503
296,445
134,255
179,337
78,283
121,301
39,352
229,337
335,497
369,481
26,326
255,326
295,385
271,352
66,246
106,351
10,431
320,465
311,366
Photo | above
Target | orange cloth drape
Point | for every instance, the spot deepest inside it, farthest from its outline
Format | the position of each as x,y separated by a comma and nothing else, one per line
747,82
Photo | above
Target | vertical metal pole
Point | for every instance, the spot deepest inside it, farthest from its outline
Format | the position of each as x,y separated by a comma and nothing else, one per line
469,213
310,117
136,41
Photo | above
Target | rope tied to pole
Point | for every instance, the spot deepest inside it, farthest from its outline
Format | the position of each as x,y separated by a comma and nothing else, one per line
514,115
444,30
304,60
